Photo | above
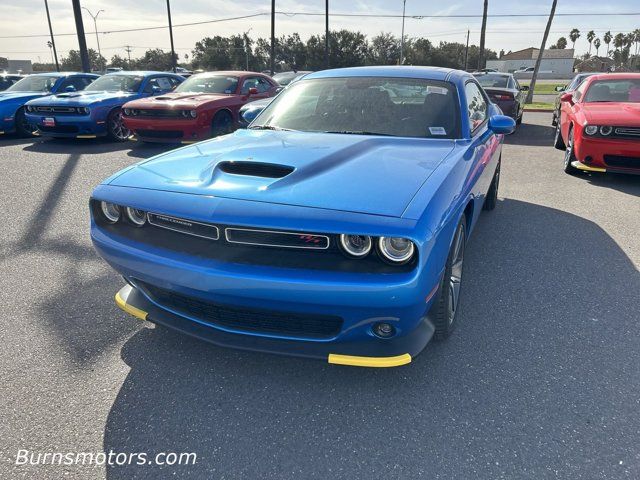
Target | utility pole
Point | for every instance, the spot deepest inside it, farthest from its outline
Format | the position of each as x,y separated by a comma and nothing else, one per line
95,27
326,34
82,42
466,52
483,32
247,48
532,85
273,37
404,5
53,42
128,50
173,52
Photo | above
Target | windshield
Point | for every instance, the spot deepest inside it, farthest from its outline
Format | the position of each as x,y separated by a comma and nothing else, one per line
496,81
626,91
116,83
34,83
399,107
209,84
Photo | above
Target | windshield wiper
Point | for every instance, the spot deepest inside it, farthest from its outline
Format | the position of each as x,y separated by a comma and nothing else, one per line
359,132
271,127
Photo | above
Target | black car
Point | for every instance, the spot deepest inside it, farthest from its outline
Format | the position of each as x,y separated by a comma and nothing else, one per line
504,90
570,87
6,80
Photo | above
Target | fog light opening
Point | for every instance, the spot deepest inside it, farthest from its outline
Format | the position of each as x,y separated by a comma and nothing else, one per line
384,330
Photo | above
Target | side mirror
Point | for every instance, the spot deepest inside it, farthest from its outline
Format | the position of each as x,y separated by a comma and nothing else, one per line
155,90
70,88
567,97
560,88
253,91
524,88
501,124
279,89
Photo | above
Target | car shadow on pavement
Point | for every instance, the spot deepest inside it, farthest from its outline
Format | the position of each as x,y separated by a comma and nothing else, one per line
11,140
531,134
147,150
629,184
541,376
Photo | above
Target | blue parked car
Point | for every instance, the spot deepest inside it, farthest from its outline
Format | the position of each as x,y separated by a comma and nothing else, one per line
95,111
334,227
13,99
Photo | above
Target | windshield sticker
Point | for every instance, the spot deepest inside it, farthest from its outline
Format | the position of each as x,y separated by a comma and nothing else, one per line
437,131
439,90
164,83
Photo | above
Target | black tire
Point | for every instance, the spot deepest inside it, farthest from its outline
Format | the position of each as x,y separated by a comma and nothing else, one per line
23,128
446,306
558,142
116,130
569,155
222,123
554,119
519,119
491,200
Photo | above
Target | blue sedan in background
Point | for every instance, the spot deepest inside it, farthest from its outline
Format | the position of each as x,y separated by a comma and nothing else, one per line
13,99
95,111
334,227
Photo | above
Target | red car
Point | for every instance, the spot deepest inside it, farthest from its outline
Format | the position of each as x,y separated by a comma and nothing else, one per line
599,126
203,106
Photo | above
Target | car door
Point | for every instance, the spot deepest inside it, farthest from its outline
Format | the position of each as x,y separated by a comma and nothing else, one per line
255,82
567,110
485,145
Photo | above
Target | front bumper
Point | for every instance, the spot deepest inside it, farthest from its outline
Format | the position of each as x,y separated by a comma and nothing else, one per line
599,154
161,130
69,126
7,124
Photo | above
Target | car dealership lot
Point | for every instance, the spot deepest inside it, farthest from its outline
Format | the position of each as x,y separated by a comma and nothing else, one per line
541,379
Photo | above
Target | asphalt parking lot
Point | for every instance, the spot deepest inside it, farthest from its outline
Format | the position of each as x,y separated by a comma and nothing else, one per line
541,379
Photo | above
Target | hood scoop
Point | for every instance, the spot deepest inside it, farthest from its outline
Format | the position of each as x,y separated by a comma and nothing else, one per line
255,169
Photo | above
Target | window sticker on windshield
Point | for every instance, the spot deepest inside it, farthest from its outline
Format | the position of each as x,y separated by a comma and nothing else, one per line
164,83
439,90
437,131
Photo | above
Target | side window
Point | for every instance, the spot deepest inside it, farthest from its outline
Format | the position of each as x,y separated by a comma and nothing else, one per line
78,83
476,105
174,82
151,84
250,82
577,95
164,83
263,85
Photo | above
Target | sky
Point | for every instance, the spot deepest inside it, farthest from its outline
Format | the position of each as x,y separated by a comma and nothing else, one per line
28,17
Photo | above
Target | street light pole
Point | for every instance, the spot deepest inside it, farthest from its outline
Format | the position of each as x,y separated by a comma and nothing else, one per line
53,42
173,52
326,35
273,37
404,5
95,28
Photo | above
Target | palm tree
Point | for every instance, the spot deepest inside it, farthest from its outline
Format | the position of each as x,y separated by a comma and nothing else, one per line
574,35
483,32
590,37
636,34
607,39
619,40
596,43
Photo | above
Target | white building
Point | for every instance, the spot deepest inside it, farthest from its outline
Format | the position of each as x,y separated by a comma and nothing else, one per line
559,61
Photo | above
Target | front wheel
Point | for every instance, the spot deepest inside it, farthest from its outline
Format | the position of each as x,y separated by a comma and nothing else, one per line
558,142
23,127
491,199
222,123
569,155
115,127
446,307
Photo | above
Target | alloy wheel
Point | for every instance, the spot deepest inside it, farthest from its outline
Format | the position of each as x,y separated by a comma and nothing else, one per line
117,127
455,279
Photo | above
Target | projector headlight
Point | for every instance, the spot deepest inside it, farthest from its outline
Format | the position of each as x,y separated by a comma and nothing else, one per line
396,250
137,217
590,129
111,211
355,245
606,130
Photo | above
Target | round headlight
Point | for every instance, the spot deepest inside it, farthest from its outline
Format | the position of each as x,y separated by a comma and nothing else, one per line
606,130
590,129
29,108
86,110
396,250
134,111
110,211
127,111
355,245
137,217
185,113
193,113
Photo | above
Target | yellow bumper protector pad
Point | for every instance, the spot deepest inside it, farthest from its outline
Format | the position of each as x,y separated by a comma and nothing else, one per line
130,309
86,136
377,362
587,168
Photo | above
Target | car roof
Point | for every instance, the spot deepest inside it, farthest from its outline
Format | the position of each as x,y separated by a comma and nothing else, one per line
229,72
614,76
399,71
493,74
62,74
143,73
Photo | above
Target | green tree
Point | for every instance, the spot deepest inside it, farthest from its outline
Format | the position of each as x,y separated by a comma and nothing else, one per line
591,35
607,40
385,49
73,63
596,43
561,43
154,59
574,35
118,61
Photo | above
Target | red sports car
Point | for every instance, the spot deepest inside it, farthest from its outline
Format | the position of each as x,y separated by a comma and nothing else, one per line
204,106
599,126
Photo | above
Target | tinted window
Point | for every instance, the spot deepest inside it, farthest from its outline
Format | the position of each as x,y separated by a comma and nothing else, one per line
116,83
627,91
78,83
491,80
206,83
476,105
402,107
251,82
34,83
159,84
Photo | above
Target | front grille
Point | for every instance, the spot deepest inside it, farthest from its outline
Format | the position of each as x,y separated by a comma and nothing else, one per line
59,129
58,110
627,132
246,319
160,133
622,161
160,113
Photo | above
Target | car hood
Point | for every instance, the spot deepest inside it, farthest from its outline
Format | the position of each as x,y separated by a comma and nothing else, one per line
612,113
21,96
180,100
363,174
85,98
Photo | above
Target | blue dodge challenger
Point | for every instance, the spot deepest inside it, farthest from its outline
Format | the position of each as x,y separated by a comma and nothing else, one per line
13,99
95,111
334,227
